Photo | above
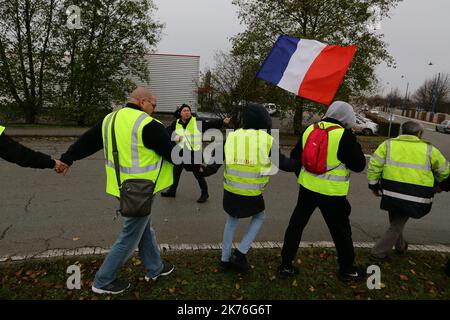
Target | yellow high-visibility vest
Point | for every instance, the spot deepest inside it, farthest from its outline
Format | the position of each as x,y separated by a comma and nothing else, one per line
334,182
247,162
135,160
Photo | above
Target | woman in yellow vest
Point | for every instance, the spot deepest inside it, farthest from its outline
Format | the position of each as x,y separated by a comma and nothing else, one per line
328,192
187,131
248,164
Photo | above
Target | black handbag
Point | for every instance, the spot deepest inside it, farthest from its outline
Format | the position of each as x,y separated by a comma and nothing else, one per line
136,195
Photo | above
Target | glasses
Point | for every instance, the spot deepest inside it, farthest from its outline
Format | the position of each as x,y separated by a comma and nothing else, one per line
153,104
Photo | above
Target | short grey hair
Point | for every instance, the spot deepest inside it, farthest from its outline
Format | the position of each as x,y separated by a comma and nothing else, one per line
412,128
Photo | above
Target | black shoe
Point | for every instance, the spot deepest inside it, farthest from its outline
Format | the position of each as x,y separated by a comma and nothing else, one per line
224,266
285,272
401,252
239,261
115,287
203,197
378,259
167,269
168,194
352,274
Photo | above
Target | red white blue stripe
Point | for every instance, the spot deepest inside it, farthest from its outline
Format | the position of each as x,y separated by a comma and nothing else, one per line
307,68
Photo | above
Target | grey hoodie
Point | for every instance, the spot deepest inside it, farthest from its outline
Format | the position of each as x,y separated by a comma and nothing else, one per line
342,112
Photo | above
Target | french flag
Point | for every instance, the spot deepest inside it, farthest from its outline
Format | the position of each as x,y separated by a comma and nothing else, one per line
307,68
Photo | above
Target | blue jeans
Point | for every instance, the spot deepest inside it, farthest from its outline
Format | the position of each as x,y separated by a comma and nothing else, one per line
250,235
136,232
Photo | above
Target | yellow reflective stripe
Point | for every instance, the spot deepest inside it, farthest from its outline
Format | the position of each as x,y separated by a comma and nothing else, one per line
378,158
407,197
339,167
390,162
443,168
2,128
243,174
136,170
245,186
134,141
326,176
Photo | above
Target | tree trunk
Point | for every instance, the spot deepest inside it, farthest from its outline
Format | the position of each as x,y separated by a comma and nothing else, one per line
298,118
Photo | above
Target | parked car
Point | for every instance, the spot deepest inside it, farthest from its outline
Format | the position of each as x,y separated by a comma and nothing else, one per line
206,117
367,128
444,126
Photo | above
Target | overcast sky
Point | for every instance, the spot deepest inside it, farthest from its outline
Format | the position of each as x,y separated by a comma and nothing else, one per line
417,33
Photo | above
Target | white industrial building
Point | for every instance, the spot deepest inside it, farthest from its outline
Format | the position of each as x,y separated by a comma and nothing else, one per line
174,79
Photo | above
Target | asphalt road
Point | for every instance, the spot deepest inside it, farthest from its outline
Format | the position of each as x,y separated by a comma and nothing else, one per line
41,210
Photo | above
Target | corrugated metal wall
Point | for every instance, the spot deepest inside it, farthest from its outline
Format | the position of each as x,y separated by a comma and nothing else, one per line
174,79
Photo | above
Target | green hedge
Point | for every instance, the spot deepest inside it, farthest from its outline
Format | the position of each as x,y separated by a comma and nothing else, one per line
383,125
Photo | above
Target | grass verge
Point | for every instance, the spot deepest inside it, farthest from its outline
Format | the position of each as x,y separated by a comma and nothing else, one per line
417,275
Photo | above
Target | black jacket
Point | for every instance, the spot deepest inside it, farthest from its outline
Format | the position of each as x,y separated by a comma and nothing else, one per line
349,150
14,152
154,136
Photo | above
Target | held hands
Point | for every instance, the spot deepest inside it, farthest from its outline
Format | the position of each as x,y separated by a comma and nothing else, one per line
61,167
226,120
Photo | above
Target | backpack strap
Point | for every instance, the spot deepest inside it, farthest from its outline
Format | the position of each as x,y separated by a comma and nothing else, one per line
333,128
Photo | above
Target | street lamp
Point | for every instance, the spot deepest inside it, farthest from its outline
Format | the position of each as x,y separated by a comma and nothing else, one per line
435,93
406,97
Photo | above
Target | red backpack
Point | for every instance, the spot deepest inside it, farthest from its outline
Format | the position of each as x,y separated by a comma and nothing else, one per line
314,155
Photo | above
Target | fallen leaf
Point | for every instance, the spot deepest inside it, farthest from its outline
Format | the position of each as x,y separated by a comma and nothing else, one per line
172,290
272,278
387,296
75,238
294,283
413,272
412,262
382,285
238,286
214,270
403,277
299,261
403,288
311,288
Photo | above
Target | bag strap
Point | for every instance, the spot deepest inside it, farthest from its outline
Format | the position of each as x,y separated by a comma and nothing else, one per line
115,153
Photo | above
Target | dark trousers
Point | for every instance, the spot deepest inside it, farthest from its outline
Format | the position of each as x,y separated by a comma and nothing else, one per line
176,179
335,210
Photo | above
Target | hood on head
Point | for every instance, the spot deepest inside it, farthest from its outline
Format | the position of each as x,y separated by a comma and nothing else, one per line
256,117
342,112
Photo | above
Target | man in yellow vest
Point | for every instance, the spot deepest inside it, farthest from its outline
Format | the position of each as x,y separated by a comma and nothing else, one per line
144,148
188,134
404,171
328,192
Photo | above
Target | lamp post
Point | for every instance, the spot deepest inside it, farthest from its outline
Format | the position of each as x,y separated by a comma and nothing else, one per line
435,95
404,100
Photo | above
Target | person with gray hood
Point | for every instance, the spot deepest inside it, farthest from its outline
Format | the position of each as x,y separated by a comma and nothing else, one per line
327,191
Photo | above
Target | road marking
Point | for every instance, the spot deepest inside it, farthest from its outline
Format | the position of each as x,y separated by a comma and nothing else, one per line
86,251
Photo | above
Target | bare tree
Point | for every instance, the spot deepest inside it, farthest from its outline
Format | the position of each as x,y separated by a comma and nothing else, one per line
424,95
